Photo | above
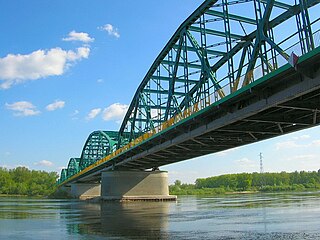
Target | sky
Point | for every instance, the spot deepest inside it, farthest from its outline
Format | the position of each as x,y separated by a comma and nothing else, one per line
68,68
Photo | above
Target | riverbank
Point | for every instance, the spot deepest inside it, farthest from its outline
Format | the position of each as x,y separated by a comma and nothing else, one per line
250,183
12,195
214,192
22,196
190,189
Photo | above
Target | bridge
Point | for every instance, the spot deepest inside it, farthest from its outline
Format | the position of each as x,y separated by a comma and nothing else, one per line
235,72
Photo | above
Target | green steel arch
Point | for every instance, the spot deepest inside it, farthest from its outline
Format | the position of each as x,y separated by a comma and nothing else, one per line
98,145
73,167
223,46
63,175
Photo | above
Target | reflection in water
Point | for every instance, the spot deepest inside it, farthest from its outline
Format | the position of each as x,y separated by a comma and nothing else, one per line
134,219
131,220
264,214
10,208
252,216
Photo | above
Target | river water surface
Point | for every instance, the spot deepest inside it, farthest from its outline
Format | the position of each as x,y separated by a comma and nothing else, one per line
243,216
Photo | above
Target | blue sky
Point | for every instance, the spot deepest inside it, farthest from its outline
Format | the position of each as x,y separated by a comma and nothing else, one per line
68,68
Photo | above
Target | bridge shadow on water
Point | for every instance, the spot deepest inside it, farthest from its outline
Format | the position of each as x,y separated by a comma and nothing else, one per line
250,216
133,220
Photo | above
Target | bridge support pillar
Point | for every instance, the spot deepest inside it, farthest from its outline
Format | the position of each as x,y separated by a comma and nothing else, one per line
135,185
85,190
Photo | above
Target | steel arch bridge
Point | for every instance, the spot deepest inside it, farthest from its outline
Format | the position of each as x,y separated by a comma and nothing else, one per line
98,145
220,51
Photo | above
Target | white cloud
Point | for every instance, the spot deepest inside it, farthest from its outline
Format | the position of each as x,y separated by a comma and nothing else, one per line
302,137
244,161
296,142
307,162
286,145
93,113
247,165
315,143
44,163
78,36
15,69
115,112
23,108
100,80
111,30
55,105
303,157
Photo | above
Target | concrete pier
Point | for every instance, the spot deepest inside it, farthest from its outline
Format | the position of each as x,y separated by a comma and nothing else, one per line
85,190
135,186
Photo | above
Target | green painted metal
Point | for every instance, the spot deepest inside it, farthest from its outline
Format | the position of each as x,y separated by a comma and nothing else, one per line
219,51
63,175
98,145
73,167
213,53
265,78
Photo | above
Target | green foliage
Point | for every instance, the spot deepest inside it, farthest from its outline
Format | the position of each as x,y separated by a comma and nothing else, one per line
22,181
265,182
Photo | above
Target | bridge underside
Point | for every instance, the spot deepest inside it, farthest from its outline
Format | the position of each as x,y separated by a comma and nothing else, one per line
287,101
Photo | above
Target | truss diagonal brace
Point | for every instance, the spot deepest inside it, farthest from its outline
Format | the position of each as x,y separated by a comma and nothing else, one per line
173,80
262,29
205,64
147,109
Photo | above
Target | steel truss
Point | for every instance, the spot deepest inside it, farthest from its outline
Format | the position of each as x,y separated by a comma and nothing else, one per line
98,145
222,47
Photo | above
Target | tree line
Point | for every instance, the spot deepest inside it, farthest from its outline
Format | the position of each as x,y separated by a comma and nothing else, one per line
22,181
264,182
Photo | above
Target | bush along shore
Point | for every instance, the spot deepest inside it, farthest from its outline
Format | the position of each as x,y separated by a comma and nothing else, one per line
249,182
24,182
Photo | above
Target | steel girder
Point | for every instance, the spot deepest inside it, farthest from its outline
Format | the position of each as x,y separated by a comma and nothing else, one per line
98,145
63,175
223,46
73,167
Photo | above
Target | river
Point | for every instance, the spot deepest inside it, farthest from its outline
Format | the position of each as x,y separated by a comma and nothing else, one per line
242,216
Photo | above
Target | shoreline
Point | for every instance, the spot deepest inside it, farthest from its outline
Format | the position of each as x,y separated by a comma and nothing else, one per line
242,192
180,194
22,196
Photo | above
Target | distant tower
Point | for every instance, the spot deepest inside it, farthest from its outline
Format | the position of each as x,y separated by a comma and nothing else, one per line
261,164
261,172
